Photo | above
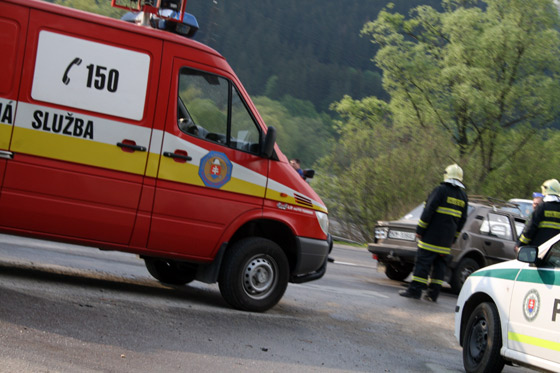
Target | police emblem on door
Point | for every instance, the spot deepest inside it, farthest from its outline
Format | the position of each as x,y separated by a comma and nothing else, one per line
531,305
215,169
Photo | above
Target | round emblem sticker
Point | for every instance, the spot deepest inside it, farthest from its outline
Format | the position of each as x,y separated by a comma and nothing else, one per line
531,305
215,169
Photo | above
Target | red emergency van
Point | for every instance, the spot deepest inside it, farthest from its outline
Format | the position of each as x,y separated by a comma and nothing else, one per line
125,137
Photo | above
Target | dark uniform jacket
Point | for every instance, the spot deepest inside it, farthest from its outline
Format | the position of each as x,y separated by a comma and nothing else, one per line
443,218
543,225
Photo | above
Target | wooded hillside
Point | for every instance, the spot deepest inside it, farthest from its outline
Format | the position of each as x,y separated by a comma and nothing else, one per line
311,50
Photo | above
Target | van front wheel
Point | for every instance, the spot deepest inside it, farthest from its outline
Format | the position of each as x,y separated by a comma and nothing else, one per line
254,274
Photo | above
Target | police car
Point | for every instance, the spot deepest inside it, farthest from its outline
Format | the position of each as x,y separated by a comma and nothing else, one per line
510,312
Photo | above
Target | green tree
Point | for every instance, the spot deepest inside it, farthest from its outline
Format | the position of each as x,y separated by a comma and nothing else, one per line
524,172
378,169
102,7
302,132
474,71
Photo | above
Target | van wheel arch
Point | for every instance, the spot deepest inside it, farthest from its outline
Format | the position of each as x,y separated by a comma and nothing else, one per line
275,231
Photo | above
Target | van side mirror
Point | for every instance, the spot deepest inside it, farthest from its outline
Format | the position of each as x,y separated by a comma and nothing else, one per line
308,174
269,140
528,254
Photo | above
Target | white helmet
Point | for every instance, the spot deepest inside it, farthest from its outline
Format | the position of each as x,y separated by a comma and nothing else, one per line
551,186
453,172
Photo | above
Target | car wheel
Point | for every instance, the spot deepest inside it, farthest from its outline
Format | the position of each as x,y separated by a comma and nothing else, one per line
169,271
398,272
254,274
464,269
482,340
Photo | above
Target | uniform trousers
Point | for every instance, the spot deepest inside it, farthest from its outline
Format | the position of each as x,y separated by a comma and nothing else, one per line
426,260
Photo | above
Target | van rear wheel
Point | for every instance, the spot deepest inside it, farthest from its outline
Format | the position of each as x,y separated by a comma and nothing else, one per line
169,271
254,274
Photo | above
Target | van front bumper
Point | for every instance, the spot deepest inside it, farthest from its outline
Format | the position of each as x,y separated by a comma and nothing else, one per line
311,258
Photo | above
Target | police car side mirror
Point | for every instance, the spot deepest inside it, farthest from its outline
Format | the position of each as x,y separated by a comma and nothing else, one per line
269,140
528,254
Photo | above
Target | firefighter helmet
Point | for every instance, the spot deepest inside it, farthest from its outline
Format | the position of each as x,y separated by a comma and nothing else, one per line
551,186
453,172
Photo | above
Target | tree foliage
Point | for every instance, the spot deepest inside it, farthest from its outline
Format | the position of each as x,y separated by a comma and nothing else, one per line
474,84
302,132
378,168
311,48
102,7
474,71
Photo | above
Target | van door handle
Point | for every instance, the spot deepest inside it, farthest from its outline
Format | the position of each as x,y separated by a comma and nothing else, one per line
487,243
128,145
179,154
6,155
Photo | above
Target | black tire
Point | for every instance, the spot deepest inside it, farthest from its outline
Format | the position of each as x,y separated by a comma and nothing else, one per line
482,340
398,272
463,270
169,271
254,274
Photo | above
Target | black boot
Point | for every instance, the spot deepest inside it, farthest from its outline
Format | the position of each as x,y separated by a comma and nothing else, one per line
408,294
430,298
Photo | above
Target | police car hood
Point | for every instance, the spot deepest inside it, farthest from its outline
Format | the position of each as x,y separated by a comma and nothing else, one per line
510,264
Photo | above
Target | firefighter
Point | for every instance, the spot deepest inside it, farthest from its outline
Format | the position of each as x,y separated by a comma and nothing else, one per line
444,215
545,220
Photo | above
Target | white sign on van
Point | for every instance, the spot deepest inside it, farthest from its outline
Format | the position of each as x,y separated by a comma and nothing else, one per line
83,74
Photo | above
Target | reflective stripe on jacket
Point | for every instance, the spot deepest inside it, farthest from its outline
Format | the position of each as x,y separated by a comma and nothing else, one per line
543,225
444,215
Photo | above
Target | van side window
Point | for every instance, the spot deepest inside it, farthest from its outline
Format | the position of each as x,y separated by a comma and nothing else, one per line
497,226
210,107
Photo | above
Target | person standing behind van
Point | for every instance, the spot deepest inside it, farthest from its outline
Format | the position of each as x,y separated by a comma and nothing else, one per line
544,223
537,199
439,226
296,164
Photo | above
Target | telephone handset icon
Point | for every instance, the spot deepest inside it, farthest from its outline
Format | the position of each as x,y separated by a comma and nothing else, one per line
65,78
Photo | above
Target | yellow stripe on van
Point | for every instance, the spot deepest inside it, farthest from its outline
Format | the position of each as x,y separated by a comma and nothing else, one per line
187,173
5,135
152,166
534,341
244,187
71,149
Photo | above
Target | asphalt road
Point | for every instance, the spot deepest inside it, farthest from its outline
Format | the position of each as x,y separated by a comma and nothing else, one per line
66,308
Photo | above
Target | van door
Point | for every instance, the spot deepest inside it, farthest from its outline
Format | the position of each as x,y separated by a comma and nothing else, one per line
82,129
210,171
534,320
13,26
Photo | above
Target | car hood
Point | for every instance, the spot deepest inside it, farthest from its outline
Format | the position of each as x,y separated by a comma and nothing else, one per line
402,223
